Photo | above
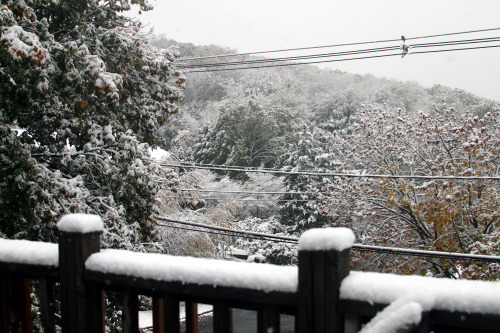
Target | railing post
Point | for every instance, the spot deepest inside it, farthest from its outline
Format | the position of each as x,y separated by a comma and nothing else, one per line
324,261
81,303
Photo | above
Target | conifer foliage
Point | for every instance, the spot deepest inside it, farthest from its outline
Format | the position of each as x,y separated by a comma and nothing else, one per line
82,94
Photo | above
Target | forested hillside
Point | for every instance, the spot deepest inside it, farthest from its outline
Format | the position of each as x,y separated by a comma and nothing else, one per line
302,120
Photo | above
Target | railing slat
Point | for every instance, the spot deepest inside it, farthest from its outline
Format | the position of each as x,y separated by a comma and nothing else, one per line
4,318
19,304
158,320
425,324
222,318
47,305
352,323
171,314
268,317
191,317
130,315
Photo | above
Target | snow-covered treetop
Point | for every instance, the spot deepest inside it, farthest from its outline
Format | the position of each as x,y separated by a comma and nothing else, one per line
80,223
338,239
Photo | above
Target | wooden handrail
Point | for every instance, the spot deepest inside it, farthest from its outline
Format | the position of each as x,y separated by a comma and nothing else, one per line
316,304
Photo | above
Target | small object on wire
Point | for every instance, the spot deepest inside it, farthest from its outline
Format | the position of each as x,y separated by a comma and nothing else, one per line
404,47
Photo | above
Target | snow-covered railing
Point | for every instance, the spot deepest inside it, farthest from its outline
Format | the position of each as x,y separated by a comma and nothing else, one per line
321,292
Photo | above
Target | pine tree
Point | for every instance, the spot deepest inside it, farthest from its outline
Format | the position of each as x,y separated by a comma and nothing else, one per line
297,215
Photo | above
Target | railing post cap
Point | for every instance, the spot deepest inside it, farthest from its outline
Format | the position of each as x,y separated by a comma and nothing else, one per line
80,223
326,239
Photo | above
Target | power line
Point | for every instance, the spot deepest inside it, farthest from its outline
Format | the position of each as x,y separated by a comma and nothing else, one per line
312,56
243,168
334,174
342,53
260,235
356,247
224,165
427,254
338,60
293,49
240,192
339,45
240,200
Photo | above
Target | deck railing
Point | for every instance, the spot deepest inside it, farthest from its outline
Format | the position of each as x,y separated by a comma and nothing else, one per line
322,294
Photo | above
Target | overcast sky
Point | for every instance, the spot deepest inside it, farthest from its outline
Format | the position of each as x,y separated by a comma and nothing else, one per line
259,25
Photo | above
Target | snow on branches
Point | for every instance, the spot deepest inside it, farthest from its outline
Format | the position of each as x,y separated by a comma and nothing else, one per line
82,94
437,214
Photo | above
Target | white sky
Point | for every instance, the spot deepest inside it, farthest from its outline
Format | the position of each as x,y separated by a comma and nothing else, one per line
258,25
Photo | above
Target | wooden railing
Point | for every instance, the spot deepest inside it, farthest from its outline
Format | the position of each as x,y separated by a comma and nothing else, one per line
315,299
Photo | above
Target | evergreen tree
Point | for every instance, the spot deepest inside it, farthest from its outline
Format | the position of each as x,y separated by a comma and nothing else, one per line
245,135
334,111
310,155
82,95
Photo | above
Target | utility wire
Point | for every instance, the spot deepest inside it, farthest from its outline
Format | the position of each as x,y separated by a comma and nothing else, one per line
224,165
242,167
338,60
304,57
260,235
239,200
225,234
240,192
343,53
335,174
339,45
288,50
356,247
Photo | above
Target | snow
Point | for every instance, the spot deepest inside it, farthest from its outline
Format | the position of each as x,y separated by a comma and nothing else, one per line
80,223
326,239
159,153
431,293
162,267
394,318
29,252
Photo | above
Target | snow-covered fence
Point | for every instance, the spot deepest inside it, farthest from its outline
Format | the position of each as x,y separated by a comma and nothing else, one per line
321,292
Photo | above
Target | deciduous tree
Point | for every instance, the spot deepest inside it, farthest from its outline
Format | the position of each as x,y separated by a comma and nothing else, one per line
450,214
